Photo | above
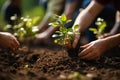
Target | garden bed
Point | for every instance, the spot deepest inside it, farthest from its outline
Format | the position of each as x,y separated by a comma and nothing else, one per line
46,63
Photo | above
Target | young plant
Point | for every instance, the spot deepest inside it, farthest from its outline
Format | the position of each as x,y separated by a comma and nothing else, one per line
25,28
101,27
76,76
73,76
63,36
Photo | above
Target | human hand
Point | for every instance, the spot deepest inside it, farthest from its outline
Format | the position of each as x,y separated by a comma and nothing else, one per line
7,40
41,38
105,35
75,41
94,49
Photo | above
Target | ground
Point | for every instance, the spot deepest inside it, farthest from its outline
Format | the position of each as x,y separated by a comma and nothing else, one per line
54,63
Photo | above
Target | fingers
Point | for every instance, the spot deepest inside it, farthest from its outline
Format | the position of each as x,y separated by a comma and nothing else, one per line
13,44
89,54
16,43
84,46
85,52
76,39
105,35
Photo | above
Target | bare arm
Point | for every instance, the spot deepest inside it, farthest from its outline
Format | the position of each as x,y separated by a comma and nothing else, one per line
96,48
70,8
85,18
54,7
7,40
116,27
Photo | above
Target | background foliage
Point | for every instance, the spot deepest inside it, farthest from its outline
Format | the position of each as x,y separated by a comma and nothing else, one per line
29,7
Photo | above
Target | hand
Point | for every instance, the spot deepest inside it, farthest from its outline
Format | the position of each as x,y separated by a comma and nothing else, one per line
94,49
75,41
41,37
7,40
105,35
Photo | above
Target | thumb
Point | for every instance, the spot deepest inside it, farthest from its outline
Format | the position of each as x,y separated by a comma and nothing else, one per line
84,46
76,39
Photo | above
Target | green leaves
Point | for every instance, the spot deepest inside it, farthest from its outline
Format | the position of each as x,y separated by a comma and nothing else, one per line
101,27
63,35
94,30
59,21
73,76
75,27
25,27
63,17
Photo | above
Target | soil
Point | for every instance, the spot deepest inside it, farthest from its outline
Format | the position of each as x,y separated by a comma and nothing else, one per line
54,63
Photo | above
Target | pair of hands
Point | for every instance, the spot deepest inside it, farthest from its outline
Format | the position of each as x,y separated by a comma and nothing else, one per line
8,41
94,49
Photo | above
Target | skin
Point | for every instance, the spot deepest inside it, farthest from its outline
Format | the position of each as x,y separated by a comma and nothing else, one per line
8,41
85,18
46,33
49,13
96,48
116,27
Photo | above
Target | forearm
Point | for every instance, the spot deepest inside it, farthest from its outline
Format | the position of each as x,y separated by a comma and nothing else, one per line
54,7
86,17
68,11
51,30
113,40
116,27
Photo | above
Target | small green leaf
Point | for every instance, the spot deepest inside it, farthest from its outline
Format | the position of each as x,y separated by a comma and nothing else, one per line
94,30
63,29
102,27
68,21
26,66
70,29
54,24
63,17
75,27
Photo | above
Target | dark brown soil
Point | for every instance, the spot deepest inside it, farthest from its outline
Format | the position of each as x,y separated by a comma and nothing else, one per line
54,64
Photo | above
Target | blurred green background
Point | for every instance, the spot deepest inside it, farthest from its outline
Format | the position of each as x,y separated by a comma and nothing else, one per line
29,7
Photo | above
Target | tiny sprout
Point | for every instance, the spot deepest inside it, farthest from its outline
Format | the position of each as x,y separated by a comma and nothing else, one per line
101,27
76,75
26,66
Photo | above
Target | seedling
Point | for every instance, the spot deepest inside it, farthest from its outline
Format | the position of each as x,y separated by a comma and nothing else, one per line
76,76
26,66
101,27
64,36
73,76
24,29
